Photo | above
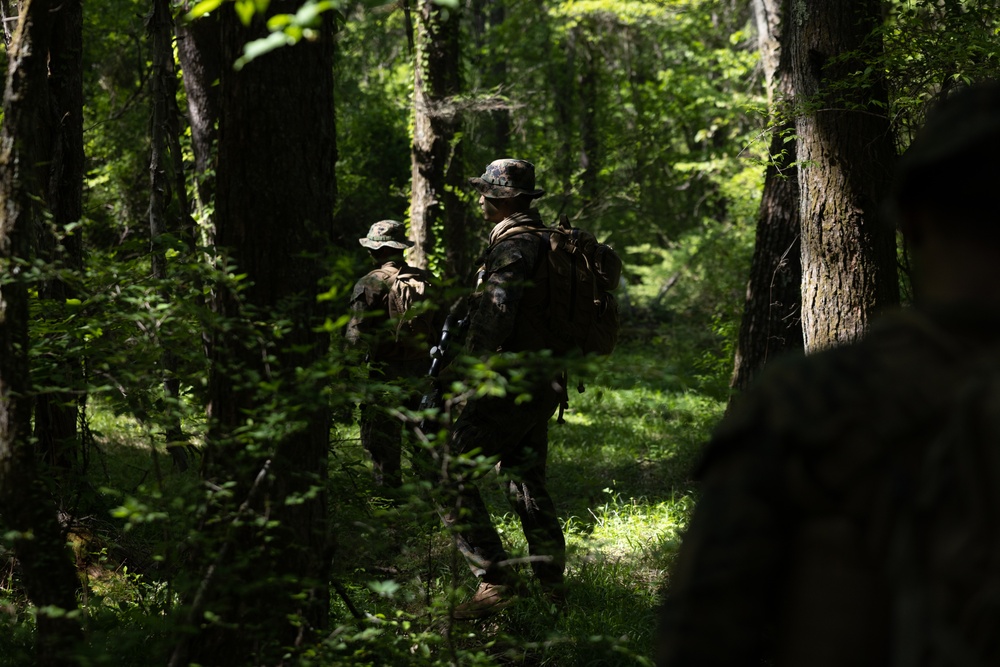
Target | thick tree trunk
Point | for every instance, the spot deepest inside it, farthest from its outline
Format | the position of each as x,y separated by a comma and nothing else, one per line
56,411
267,581
46,566
435,164
845,158
771,322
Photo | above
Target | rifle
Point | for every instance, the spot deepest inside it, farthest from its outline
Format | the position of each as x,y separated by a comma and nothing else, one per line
455,326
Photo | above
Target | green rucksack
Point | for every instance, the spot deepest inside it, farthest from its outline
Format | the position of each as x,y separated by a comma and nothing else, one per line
411,314
581,273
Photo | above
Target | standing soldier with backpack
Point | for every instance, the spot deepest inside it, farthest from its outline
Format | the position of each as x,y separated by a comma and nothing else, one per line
393,321
509,316
849,511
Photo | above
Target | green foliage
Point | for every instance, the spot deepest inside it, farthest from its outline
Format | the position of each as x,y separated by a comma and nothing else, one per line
373,86
932,47
642,119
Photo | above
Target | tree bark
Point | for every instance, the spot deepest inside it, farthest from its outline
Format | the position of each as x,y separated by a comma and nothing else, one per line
46,566
845,158
268,582
168,205
435,162
56,411
199,53
771,322
587,84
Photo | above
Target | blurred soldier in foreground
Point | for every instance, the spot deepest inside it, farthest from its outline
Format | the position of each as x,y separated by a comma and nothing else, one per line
509,316
397,340
850,507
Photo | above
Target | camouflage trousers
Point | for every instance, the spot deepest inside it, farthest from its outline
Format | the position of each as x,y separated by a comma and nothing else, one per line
517,435
382,432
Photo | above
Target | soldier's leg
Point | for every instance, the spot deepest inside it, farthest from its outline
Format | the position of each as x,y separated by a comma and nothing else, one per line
523,476
380,436
465,512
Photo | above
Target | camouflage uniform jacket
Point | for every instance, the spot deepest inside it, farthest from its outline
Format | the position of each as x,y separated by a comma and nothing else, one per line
508,314
789,553
370,324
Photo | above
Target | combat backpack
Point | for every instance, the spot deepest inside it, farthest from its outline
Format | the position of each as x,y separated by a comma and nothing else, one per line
411,315
581,274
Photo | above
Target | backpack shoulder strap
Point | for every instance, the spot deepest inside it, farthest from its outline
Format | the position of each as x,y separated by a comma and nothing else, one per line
386,274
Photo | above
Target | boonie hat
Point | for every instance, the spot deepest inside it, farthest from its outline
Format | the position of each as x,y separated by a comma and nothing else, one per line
506,178
386,233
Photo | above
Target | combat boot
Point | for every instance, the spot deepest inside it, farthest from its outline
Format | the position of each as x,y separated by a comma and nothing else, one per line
487,600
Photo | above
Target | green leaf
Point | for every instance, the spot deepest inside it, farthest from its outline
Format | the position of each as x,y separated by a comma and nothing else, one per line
245,9
451,4
279,22
203,8
259,47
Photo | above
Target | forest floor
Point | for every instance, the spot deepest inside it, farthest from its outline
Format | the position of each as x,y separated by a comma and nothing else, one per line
619,471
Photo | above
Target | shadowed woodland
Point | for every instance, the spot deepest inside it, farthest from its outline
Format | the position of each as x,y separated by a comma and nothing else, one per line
184,185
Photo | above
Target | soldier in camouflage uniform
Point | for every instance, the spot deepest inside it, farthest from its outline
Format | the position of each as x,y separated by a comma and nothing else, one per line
831,528
393,356
508,316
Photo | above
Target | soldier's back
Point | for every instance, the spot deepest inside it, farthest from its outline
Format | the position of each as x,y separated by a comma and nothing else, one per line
838,492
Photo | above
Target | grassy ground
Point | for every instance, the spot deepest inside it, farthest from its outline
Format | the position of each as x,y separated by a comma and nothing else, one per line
619,472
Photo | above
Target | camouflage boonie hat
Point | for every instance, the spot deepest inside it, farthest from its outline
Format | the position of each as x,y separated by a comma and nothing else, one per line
506,178
386,233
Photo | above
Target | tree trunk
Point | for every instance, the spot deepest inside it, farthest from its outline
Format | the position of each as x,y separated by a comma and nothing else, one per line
771,322
490,16
435,164
845,157
199,53
268,579
56,411
168,206
46,567
587,84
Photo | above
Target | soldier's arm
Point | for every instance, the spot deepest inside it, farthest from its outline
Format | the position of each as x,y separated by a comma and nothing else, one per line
366,311
495,312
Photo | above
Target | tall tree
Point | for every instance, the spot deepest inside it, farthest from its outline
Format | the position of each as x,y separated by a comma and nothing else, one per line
56,409
25,506
436,166
266,580
771,322
845,153
168,204
198,50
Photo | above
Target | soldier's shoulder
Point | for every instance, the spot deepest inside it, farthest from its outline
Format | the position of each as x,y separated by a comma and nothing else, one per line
370,286
846,398
523,246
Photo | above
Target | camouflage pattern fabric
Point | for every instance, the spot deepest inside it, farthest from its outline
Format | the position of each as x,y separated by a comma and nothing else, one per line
392,362
510,316
507,177
791,554
370,321
505,318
